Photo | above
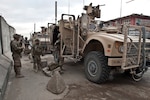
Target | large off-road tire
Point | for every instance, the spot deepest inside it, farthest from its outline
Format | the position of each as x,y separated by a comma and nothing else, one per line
96,67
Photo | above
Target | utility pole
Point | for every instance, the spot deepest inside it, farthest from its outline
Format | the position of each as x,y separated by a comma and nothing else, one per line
120,8
55,12
83,6
34,27
68,6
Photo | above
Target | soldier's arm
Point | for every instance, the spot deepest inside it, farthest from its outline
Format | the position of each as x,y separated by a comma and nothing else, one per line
15,47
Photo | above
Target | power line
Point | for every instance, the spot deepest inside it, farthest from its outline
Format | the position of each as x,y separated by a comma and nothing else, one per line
129,1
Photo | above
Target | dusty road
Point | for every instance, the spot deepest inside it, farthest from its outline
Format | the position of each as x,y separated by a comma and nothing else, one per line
33,85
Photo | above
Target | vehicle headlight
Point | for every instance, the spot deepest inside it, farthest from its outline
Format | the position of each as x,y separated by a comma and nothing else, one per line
119,46
120,49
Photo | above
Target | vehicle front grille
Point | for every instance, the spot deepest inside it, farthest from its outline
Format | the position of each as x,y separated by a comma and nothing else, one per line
133,50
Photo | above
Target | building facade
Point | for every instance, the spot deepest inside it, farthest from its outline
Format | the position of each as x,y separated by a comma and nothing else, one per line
133,19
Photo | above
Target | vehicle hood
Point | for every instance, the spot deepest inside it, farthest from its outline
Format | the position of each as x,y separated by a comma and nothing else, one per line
117,37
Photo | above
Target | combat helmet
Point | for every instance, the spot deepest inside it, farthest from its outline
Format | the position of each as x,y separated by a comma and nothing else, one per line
16,36
37,41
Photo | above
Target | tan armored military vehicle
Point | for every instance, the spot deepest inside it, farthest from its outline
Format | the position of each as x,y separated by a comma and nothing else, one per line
104,49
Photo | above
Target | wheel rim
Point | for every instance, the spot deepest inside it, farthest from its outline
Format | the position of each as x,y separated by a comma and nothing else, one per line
92,68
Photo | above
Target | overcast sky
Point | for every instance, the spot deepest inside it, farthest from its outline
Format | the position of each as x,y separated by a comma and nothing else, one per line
22,14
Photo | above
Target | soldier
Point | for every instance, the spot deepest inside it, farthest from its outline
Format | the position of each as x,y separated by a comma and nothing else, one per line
16,50
26,44
32,40
55,34
36,53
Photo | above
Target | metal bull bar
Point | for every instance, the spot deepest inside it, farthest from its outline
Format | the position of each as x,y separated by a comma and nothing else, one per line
134,52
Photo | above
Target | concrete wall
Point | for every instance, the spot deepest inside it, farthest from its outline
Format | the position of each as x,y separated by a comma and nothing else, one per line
6,33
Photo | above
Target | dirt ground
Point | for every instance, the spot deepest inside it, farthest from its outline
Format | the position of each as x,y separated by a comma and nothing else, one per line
33,85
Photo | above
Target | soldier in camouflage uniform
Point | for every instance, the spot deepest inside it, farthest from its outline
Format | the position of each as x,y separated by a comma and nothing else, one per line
36,53
26,44
16,50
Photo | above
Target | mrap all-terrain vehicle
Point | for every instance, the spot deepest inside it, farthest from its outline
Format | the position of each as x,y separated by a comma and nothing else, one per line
103,49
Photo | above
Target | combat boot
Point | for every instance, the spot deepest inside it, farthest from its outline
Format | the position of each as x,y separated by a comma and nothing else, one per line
18,74
35,67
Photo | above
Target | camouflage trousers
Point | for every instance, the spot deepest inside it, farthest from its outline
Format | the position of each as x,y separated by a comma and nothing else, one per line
37,62
17,64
